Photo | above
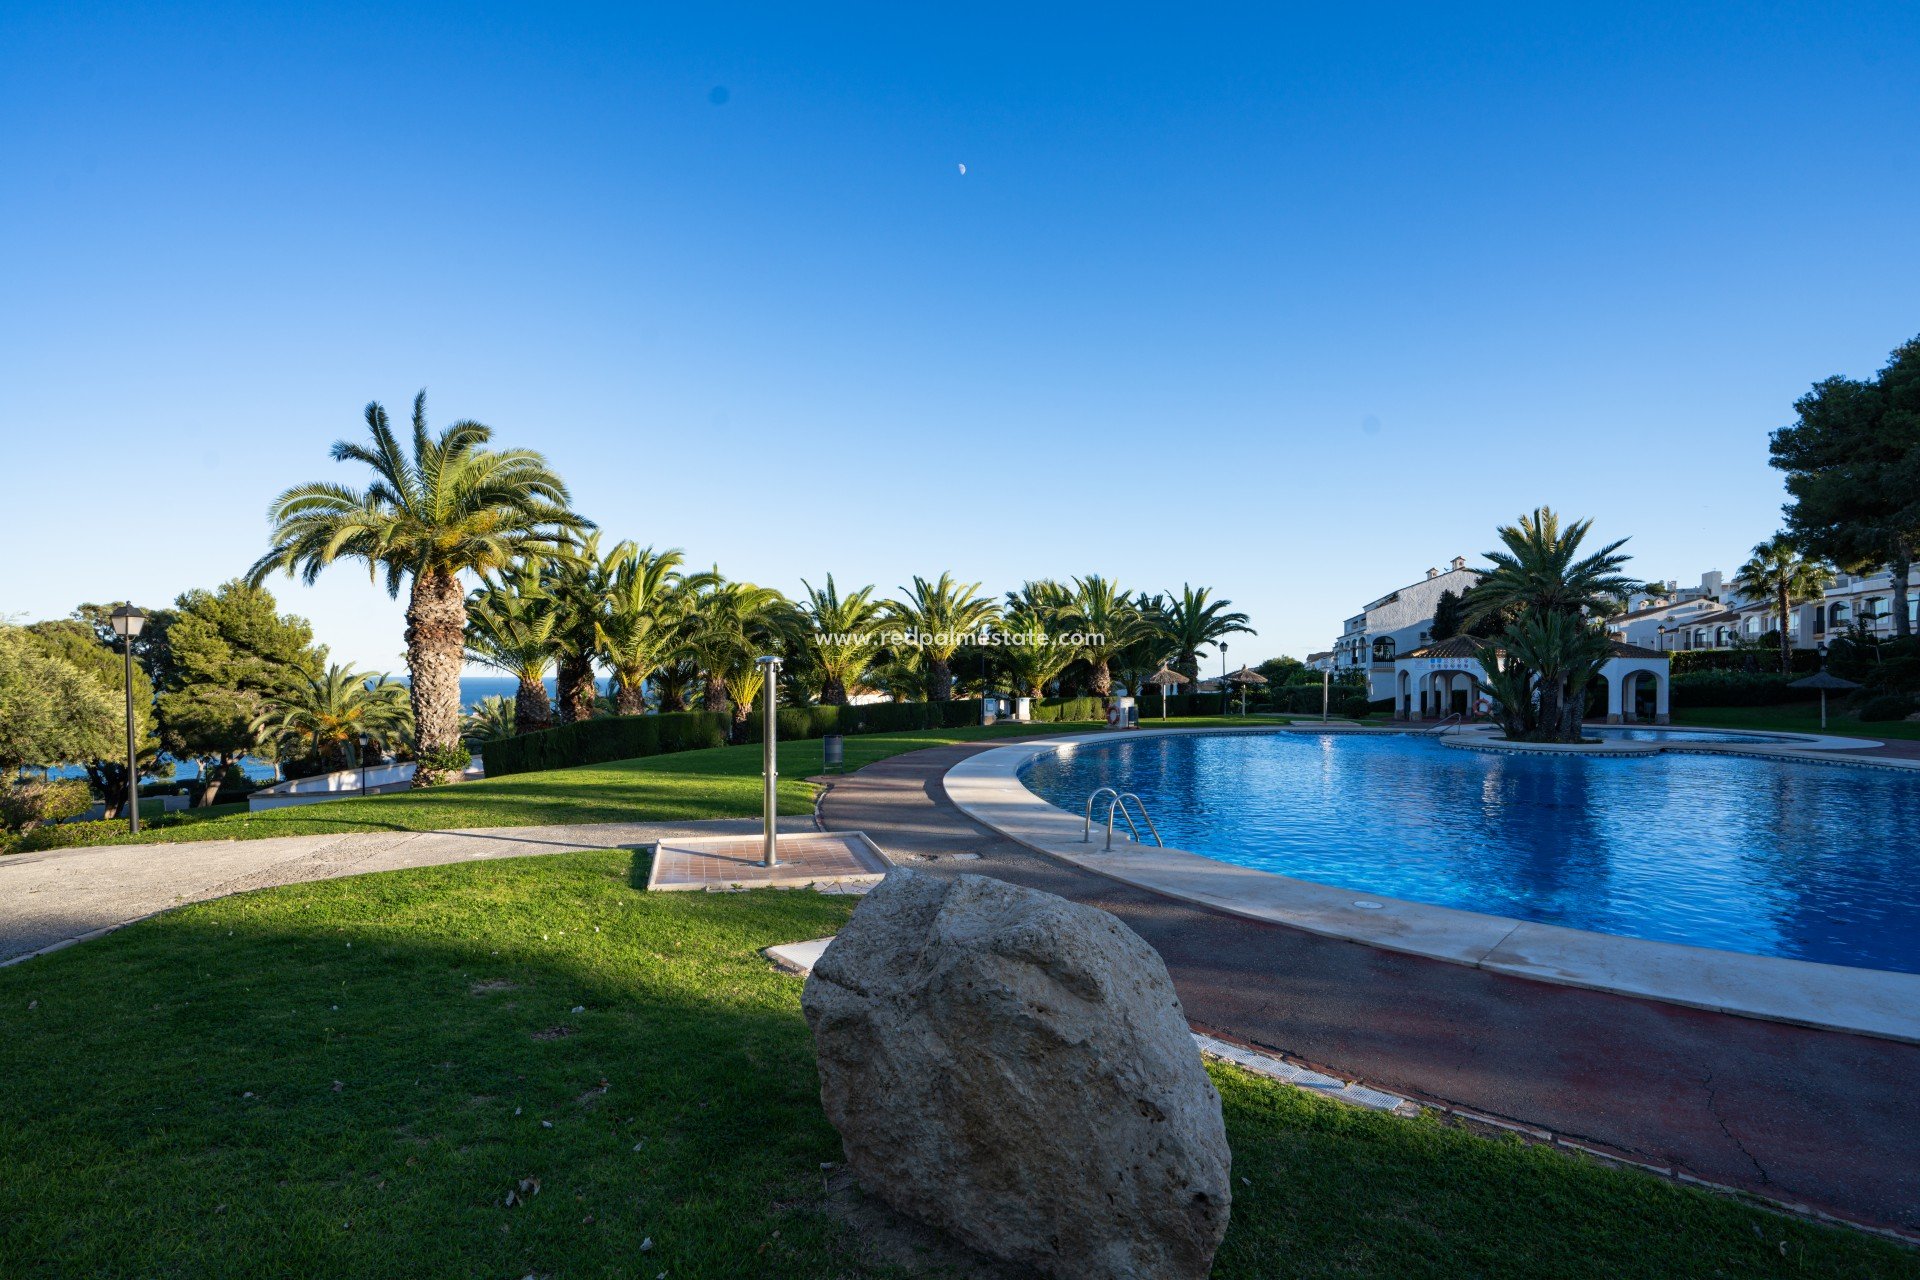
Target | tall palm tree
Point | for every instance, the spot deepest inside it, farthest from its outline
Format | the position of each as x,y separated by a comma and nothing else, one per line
452,506
941,615
326,713
841,637
1777,571
1108,622
1194,622
510,626
643,622
1151,646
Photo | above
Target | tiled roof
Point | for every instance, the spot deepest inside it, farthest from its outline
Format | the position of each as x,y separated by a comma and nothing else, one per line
1451,647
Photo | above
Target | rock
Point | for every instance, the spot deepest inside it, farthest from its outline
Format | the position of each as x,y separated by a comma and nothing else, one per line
1015,1069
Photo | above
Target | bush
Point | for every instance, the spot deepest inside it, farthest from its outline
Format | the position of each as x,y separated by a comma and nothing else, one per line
1059,710
30,802
1888,706
606,738
1755,660
69,835
1732,689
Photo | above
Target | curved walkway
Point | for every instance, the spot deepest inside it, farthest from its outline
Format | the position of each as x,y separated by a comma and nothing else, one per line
1810,1117
62,896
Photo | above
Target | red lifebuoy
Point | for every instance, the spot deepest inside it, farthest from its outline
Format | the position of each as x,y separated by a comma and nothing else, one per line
1113,715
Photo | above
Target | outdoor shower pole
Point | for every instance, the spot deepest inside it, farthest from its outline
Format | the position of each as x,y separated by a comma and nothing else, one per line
769,770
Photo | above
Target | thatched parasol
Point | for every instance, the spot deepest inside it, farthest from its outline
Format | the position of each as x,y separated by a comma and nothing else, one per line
1243,677
1165,677
1822,681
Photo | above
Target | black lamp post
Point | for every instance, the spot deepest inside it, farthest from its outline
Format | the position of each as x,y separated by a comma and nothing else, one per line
127,622
363,764
1223,677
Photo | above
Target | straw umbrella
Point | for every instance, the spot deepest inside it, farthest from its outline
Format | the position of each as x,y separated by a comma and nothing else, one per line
1165,677
1244,677
1822,681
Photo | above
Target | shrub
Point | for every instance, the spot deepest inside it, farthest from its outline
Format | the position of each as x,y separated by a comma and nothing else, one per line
1732,689
1755,660
30,802
603,739
1057,710
68,835
1888,706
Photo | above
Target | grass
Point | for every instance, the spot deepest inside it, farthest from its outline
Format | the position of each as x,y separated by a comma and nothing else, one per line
347,1078
722,782
1797,717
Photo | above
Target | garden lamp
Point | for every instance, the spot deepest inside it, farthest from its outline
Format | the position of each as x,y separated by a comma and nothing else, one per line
770,772
127,623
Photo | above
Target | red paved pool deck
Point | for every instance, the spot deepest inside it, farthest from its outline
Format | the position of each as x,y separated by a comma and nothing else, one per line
1815,1117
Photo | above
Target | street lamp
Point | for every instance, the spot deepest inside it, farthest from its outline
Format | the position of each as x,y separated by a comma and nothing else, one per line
769,771
127,622
363,764
1223,677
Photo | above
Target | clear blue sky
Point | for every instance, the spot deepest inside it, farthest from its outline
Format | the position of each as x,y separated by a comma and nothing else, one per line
1294,304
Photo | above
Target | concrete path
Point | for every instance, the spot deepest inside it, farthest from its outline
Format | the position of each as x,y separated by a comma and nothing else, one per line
1813,1117
64,895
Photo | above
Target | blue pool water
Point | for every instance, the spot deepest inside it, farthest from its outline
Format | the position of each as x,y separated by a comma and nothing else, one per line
1808,861
1679,735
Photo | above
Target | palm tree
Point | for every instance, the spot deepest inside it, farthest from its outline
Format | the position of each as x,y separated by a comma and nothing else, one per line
1193,623
579,580
454,506
1550,647
941,615
326,712
1029,650
1777,571
734,624
1151,647
510,626
491,719
841,637
1108,622
643,622
1542,571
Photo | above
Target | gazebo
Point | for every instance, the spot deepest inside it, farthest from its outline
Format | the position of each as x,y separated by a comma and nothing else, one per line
1166,678
1446,678
1822,681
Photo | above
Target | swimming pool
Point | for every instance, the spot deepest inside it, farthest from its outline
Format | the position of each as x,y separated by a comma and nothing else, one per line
1616,733
1780,858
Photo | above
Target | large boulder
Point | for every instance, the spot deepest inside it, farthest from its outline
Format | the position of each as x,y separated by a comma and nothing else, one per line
1015,1069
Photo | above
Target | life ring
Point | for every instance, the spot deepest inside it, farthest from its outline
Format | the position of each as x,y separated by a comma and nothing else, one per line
1482,707
1113,716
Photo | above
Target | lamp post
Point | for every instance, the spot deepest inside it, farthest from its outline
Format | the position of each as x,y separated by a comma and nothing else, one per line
363,764
1223,677
1326,690
769,770
127,622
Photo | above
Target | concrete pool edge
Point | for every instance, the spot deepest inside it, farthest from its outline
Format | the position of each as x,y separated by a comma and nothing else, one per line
987,788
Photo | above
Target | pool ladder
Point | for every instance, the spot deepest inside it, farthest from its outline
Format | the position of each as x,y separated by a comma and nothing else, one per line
1119,802
1454,719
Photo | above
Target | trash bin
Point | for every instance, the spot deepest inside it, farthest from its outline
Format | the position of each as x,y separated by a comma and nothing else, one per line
833,748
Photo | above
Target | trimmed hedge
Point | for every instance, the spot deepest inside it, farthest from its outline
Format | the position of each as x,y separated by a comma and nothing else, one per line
1057,710
604,738
1757,661
1733,689
1178,704
873,717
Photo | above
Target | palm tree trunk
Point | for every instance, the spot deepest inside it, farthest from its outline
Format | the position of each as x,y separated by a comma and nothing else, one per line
631,698
1901,566
576,689
1102,679
436,644
672,699
716,697
1786,650
532,711
941,685
834,692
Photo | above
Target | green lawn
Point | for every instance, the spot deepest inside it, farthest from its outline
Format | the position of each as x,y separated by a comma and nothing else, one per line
347,1078
1797,717
723,782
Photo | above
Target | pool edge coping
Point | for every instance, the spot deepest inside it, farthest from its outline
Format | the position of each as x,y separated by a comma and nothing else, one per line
1872,1002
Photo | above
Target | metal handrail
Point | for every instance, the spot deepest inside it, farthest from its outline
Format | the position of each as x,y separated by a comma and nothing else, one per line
1120,802
1452,719
1086,831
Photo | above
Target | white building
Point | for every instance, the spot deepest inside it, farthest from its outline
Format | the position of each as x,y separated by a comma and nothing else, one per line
1714,616
1396,623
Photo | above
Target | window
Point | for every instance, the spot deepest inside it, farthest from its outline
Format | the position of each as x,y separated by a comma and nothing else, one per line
1383,649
